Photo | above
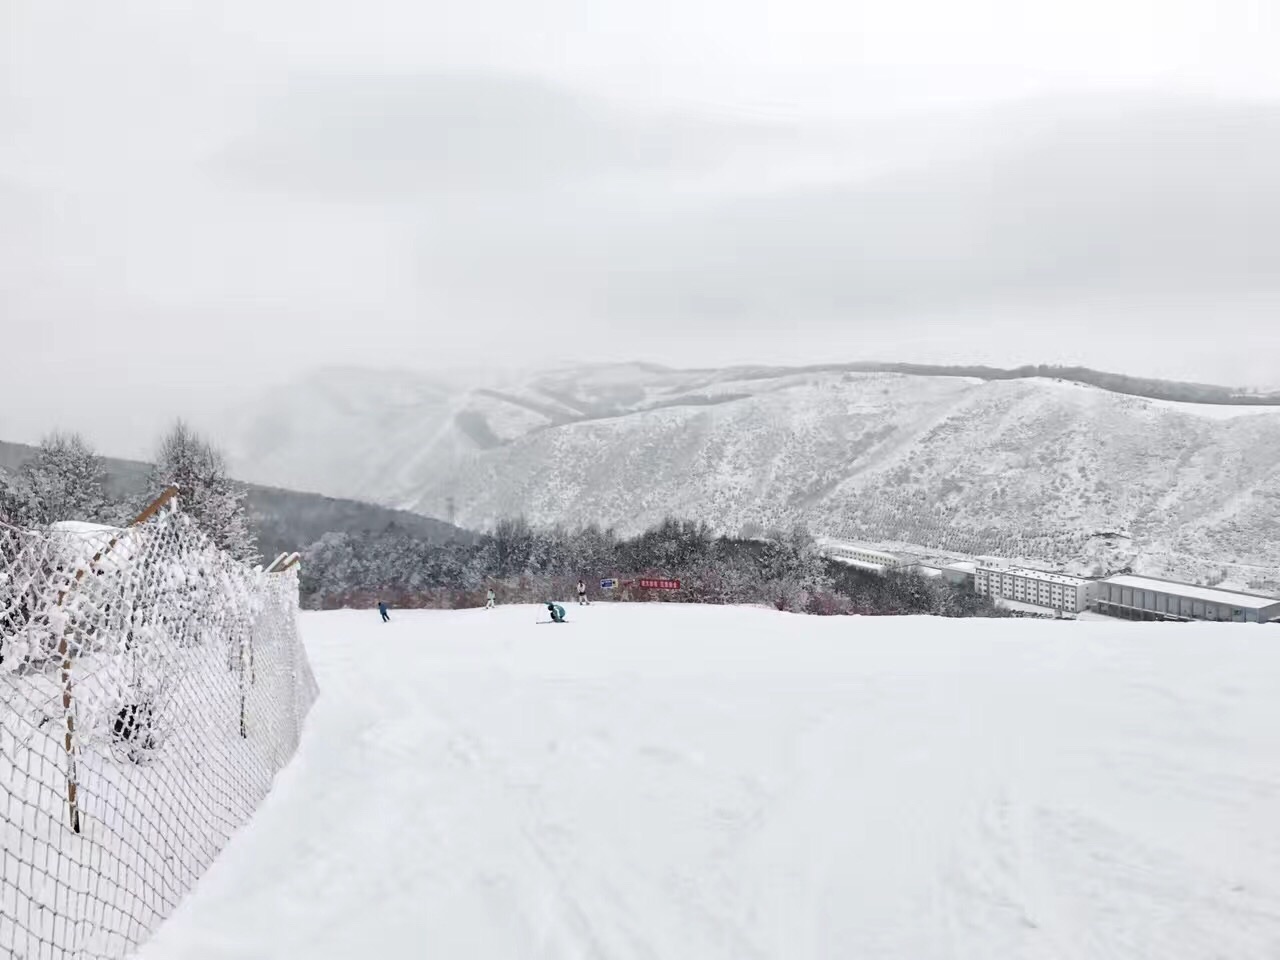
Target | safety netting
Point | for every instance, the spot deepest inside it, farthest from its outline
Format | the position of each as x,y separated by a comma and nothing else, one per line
151,687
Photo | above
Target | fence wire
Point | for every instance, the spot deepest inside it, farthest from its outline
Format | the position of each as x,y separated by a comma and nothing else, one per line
150,689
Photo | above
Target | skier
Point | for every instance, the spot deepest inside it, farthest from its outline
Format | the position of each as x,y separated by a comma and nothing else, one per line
556,611
582,594
382,609
492,599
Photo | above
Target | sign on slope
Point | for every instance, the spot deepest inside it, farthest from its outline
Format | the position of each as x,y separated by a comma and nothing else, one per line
658,583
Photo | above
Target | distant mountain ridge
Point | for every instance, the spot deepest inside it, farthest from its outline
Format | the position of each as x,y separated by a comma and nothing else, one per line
1178,391
970,459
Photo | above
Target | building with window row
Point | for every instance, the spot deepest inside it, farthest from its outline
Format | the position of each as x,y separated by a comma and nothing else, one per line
1054,591
861,555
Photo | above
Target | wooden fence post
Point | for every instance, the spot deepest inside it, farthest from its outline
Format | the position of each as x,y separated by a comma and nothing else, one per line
64,652
245,652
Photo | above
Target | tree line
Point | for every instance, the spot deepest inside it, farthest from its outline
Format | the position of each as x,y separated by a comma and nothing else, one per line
523,564
66,479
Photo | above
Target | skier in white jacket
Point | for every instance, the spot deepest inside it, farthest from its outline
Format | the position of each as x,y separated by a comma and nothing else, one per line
582,594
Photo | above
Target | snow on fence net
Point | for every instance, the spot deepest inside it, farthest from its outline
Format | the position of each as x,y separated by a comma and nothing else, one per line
150,689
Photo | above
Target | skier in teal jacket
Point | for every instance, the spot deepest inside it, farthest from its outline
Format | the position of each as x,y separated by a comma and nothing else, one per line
556,611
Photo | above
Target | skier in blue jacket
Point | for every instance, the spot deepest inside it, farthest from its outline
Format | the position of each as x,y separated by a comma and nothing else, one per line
556,611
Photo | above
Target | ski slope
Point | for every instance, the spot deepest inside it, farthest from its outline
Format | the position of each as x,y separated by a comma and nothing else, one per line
665,781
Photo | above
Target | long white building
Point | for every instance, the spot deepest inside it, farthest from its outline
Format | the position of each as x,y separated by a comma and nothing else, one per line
1148,598
862,555
1054,591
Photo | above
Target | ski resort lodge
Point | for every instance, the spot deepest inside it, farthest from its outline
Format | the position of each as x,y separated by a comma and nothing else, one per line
1128,596
1039,588
1147,598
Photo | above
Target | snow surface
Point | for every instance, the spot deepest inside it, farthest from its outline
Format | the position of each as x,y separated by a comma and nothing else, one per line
662,781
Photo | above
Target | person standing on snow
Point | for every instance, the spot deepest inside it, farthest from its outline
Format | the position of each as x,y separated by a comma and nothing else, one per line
492,599
382,609
582,594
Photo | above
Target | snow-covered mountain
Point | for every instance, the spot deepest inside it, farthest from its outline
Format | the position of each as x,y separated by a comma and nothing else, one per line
1029,467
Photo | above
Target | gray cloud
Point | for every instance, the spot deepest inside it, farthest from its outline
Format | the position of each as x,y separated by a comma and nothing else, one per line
201,202
1146,200
391,138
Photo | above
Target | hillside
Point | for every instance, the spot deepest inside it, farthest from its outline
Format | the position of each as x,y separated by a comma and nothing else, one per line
1033,467
283,520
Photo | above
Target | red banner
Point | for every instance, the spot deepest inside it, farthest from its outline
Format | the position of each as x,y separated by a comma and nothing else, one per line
649,583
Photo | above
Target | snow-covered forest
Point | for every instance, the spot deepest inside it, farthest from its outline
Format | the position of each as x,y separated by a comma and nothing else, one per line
409,568
524,564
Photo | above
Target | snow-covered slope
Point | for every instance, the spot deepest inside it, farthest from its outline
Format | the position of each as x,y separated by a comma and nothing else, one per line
1035,468
677,781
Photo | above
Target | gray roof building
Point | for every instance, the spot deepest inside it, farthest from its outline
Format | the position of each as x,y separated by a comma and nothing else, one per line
1149,598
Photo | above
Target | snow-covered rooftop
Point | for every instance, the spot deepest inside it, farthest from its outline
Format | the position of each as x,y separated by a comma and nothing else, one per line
1035,574
836,542
1230,598
861,564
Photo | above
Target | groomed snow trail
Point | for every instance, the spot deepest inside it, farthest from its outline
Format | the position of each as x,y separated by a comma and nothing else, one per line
664,781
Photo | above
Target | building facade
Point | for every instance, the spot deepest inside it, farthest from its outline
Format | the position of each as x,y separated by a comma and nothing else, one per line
1054,591
960,573
1148,598
860,555
955,573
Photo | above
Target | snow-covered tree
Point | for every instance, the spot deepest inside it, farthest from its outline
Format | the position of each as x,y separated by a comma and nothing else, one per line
13,500
205,491
65,480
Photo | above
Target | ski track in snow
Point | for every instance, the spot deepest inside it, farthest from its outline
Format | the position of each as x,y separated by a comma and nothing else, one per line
668,781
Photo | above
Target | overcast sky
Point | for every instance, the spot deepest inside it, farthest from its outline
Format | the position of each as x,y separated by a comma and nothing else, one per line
198,201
